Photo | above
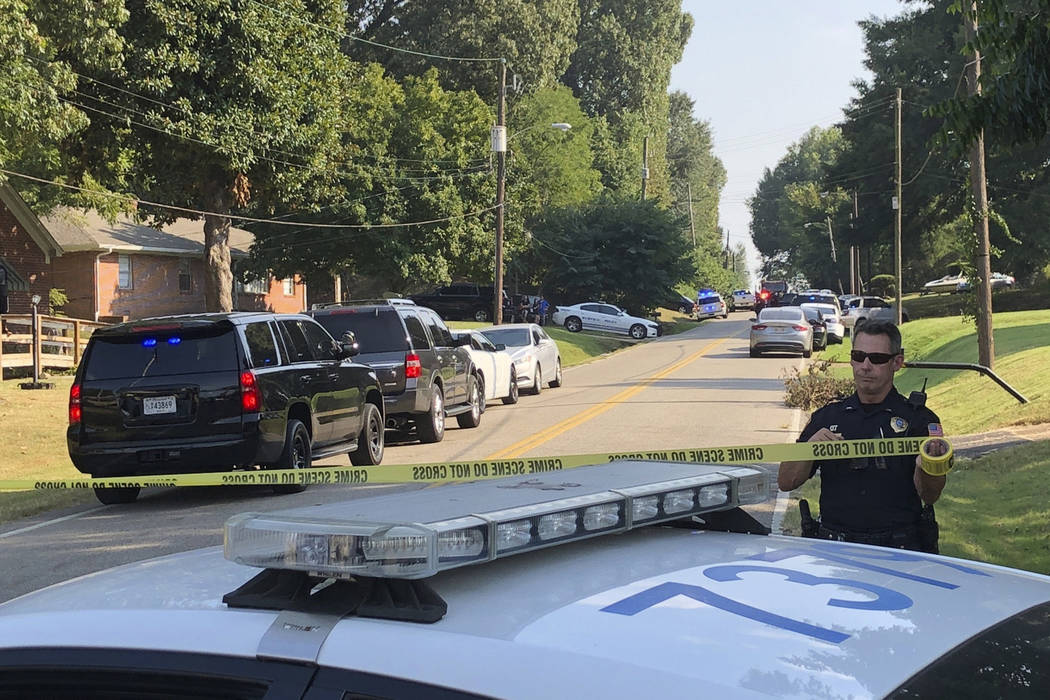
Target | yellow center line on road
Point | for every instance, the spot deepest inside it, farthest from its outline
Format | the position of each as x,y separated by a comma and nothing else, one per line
520,448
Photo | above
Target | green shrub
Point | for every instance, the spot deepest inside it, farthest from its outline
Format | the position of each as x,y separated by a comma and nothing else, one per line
815,387
883,285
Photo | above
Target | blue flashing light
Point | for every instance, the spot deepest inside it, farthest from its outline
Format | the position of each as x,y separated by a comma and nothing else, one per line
149,342
174,340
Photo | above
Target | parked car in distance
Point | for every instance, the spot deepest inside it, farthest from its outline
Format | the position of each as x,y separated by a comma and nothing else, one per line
862,308
680,303
832,320
709,304
495,366
598,316
535,354
425,374
781,329
819,326
998,279
213,392
741,299
947,284
462,300
813,296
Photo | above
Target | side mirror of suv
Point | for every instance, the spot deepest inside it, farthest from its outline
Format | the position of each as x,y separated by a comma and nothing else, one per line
348,344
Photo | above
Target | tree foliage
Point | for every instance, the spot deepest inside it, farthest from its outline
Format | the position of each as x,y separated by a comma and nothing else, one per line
629,253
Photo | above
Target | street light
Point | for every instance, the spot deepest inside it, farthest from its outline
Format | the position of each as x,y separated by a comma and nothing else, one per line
499,146
830,236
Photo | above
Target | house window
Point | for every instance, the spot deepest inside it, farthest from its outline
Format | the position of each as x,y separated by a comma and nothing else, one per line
124,272
289,287
256,287
185,277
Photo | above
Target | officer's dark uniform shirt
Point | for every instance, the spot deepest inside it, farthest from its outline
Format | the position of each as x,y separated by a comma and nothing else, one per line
870,494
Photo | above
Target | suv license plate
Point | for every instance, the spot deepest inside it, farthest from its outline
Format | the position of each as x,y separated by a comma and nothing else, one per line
158,405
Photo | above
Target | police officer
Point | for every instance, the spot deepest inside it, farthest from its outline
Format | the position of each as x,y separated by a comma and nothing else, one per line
872,500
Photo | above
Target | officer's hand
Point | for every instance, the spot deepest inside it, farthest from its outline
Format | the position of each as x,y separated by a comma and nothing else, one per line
824,435
936,447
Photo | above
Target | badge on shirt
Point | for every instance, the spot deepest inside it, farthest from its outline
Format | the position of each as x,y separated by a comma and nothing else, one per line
935,430
898,424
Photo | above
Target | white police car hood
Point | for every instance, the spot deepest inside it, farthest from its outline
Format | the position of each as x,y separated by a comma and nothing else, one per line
658,612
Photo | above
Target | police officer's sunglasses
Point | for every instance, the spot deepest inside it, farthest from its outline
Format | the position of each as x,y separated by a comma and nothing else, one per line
877,358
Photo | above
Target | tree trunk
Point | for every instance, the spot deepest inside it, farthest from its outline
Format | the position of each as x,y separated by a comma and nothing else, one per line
218,275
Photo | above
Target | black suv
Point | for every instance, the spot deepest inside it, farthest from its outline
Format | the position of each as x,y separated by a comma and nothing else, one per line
463,300
425,373
211,392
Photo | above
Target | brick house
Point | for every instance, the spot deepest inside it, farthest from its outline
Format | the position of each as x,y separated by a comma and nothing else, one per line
123,270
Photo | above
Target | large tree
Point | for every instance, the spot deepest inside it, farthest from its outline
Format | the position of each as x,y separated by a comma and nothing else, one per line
629,253
535,37
220,106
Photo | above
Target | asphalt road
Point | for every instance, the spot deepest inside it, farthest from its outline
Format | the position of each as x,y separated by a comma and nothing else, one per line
697,389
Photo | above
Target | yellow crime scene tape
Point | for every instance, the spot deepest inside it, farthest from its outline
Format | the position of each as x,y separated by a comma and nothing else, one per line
475,470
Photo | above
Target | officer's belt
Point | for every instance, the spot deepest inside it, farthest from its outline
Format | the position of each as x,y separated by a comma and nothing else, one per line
890,537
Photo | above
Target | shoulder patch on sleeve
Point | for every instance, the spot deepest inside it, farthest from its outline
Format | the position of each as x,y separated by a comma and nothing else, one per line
935,430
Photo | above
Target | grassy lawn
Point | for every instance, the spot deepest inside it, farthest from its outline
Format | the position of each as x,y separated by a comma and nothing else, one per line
33,444
935,305
966,401
994,508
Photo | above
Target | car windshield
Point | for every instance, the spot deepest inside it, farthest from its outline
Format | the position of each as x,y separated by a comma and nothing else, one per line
511,337
781,314
164,353
376,330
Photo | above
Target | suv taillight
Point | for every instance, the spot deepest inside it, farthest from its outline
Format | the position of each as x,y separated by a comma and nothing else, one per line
413,367
251,397
74,404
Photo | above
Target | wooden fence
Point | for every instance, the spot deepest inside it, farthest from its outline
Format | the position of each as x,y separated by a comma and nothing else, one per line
60,340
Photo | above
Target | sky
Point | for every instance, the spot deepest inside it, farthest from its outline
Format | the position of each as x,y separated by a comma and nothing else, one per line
763,72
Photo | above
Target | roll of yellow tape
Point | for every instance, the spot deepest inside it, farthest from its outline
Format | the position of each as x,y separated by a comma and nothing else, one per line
937,465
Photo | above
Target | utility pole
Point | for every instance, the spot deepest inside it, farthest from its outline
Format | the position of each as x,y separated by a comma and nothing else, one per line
831,238
689,193
499,144
645,166
854,252
897,218
852,269
983,263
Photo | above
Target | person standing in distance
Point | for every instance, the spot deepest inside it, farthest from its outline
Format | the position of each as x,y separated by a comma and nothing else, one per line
885,501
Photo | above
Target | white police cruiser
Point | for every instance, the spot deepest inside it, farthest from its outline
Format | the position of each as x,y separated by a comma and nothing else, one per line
600,582
709,304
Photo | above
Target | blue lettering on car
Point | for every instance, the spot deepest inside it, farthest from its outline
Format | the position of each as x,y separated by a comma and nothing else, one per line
885,598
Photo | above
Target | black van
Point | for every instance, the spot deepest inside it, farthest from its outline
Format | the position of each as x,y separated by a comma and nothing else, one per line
212,392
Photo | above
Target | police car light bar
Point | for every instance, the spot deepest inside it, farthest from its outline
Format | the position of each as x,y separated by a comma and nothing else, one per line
416,534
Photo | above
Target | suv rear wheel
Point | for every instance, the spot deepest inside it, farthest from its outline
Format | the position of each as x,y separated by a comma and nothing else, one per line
481,315
431,427
369,450
296,455
472,418
113,496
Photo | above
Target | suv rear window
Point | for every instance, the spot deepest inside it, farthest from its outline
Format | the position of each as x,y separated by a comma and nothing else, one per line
377,330
709,300
212,348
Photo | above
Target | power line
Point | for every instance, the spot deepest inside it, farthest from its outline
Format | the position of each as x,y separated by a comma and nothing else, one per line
236,217
370,42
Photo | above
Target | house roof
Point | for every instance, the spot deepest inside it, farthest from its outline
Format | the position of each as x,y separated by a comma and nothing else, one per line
75,231
30,223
